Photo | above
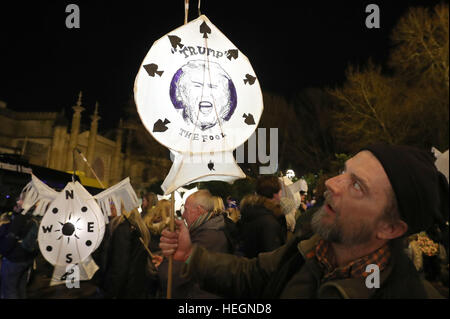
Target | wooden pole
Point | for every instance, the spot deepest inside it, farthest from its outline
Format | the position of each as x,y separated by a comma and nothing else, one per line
131,225
186,11
172,228
90,167
146,248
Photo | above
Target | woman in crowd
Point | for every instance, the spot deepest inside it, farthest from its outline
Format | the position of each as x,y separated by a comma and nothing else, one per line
129,270
156,220
219,207
233,210
149,200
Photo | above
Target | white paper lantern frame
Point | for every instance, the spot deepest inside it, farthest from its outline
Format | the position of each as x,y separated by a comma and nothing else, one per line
72,228
198,95
73,223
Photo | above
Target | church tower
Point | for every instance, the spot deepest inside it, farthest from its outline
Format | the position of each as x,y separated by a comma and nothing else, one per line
74,131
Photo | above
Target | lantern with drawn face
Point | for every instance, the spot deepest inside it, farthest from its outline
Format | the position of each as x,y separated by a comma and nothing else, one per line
199,96
197,100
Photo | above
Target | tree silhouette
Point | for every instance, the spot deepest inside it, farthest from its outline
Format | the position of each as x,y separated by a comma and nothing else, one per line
421,41
411,105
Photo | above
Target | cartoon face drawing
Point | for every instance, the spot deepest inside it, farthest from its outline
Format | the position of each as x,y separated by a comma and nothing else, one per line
204,93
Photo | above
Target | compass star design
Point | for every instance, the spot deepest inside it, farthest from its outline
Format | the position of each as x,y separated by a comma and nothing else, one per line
69,229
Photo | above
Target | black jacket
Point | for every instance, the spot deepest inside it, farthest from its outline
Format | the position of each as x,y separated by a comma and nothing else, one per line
262,226
12,242
126,275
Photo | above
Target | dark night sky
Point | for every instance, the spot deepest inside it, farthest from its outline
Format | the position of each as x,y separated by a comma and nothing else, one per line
291,45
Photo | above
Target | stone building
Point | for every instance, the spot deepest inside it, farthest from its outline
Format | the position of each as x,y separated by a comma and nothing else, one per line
46,139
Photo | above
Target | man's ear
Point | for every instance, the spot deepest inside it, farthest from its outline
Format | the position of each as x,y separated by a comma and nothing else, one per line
201,209
389,230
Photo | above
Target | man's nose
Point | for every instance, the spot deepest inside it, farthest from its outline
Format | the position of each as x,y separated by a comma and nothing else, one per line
207,90
335,184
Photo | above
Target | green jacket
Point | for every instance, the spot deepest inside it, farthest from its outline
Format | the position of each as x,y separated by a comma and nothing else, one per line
285,273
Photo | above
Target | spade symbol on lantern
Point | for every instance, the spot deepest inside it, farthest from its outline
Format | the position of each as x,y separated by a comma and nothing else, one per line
249,120
175,41
205,30
232,54
161,126
152,69
249,79
211,166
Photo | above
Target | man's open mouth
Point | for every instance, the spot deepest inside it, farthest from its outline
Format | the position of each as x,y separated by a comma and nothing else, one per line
205,107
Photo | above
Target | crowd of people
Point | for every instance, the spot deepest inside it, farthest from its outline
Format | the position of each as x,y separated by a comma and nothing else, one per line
377,212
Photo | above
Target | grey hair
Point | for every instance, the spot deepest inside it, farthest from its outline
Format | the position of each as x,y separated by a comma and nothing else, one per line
204,198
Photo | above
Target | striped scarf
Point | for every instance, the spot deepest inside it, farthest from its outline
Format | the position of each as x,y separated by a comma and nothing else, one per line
201,220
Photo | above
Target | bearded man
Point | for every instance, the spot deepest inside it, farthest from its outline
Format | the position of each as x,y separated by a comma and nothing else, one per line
384,194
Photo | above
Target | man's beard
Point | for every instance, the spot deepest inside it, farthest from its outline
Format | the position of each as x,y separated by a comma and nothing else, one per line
336,232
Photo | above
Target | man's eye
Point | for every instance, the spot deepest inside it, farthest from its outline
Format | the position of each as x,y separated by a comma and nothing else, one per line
357,186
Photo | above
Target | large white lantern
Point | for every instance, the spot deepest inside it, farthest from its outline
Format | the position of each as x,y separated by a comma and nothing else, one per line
198,95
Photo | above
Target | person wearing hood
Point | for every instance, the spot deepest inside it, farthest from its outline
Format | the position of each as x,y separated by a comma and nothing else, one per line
129,273
206,229
262,225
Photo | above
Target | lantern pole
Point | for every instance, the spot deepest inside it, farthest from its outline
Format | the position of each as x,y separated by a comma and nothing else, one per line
186,11
172,229
74,167
140,237
90,167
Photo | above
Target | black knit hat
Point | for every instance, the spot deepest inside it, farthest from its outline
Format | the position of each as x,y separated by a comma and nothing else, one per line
422,192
